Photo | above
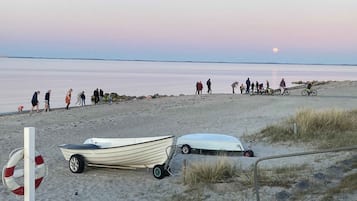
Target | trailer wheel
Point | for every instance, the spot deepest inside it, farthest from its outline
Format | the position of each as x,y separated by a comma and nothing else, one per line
159,171
76,163
185,149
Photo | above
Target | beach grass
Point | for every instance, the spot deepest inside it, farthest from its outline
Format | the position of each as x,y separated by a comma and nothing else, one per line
325,129
204,172
283,176
347,185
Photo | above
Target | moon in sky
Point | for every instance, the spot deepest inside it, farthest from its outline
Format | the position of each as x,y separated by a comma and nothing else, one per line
275,50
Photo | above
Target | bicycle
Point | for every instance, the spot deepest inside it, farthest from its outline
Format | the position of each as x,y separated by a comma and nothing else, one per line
308,92
278,92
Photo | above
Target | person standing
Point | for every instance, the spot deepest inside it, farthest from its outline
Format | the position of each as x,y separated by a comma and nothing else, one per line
101,95
47,101
282,86
68,98
252,87
34,101
209,91
241,89
248,86
257,86
199,87
83,99
96,96
79,100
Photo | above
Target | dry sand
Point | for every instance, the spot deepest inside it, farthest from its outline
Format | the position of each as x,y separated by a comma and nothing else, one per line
236,115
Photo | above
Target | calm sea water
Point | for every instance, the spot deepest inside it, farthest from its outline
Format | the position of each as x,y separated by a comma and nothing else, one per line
21,77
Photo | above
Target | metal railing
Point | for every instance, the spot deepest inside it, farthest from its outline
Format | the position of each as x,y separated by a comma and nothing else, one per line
256,185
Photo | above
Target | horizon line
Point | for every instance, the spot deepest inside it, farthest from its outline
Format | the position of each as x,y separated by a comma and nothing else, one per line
178,61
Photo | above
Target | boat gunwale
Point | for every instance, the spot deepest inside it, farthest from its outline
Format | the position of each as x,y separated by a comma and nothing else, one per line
168,137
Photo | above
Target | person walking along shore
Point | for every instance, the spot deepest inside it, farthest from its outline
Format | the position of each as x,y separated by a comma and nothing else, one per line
34,101
47,101
68,98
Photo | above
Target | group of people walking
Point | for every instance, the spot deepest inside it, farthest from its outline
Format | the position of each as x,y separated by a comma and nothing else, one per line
98,95
35,102
250,87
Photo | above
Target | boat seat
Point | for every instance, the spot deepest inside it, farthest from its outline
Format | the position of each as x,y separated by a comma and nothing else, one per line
81,146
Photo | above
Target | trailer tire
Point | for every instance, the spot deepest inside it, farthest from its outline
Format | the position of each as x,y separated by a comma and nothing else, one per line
76,163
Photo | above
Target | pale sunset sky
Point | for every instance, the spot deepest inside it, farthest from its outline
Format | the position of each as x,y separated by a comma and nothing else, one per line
285,31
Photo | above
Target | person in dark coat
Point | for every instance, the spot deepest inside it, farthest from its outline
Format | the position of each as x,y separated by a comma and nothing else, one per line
101,94
83,98
47,101
209,86
248,86
96,96
34,101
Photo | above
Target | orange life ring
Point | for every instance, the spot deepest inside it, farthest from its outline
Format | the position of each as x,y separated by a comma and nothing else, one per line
9,169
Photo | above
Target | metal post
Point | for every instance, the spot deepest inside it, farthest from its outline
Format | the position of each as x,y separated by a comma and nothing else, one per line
29,163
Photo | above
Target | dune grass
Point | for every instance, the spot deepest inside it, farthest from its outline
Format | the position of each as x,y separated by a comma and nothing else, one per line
210,172
283,176
327,128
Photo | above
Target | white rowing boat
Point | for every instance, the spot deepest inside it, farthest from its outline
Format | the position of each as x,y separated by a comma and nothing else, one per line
127,153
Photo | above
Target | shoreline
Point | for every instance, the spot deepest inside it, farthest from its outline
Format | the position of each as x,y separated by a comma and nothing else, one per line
129,98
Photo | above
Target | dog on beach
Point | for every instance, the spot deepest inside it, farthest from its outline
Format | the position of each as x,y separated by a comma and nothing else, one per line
20,108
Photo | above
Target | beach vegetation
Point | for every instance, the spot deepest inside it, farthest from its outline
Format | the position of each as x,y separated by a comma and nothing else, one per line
347,185
204,172
325,129
284,176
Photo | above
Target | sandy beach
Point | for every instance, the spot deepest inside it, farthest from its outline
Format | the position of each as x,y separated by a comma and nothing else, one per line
234,114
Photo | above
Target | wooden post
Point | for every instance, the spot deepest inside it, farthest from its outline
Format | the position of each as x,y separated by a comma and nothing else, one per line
29,163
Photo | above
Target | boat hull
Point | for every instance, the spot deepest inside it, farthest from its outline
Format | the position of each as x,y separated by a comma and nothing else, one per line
211,141
140,155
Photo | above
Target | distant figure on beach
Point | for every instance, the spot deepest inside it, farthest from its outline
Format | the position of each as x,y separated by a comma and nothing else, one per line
268,90
282,86
209,86
96,96
252,87
260,88
241,88
234,85
309,85
248,86
34,101
101,95
47,101
78,102
68,98
199,87
83,99
257,86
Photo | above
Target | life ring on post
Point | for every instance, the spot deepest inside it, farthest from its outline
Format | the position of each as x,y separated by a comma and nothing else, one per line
9,169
